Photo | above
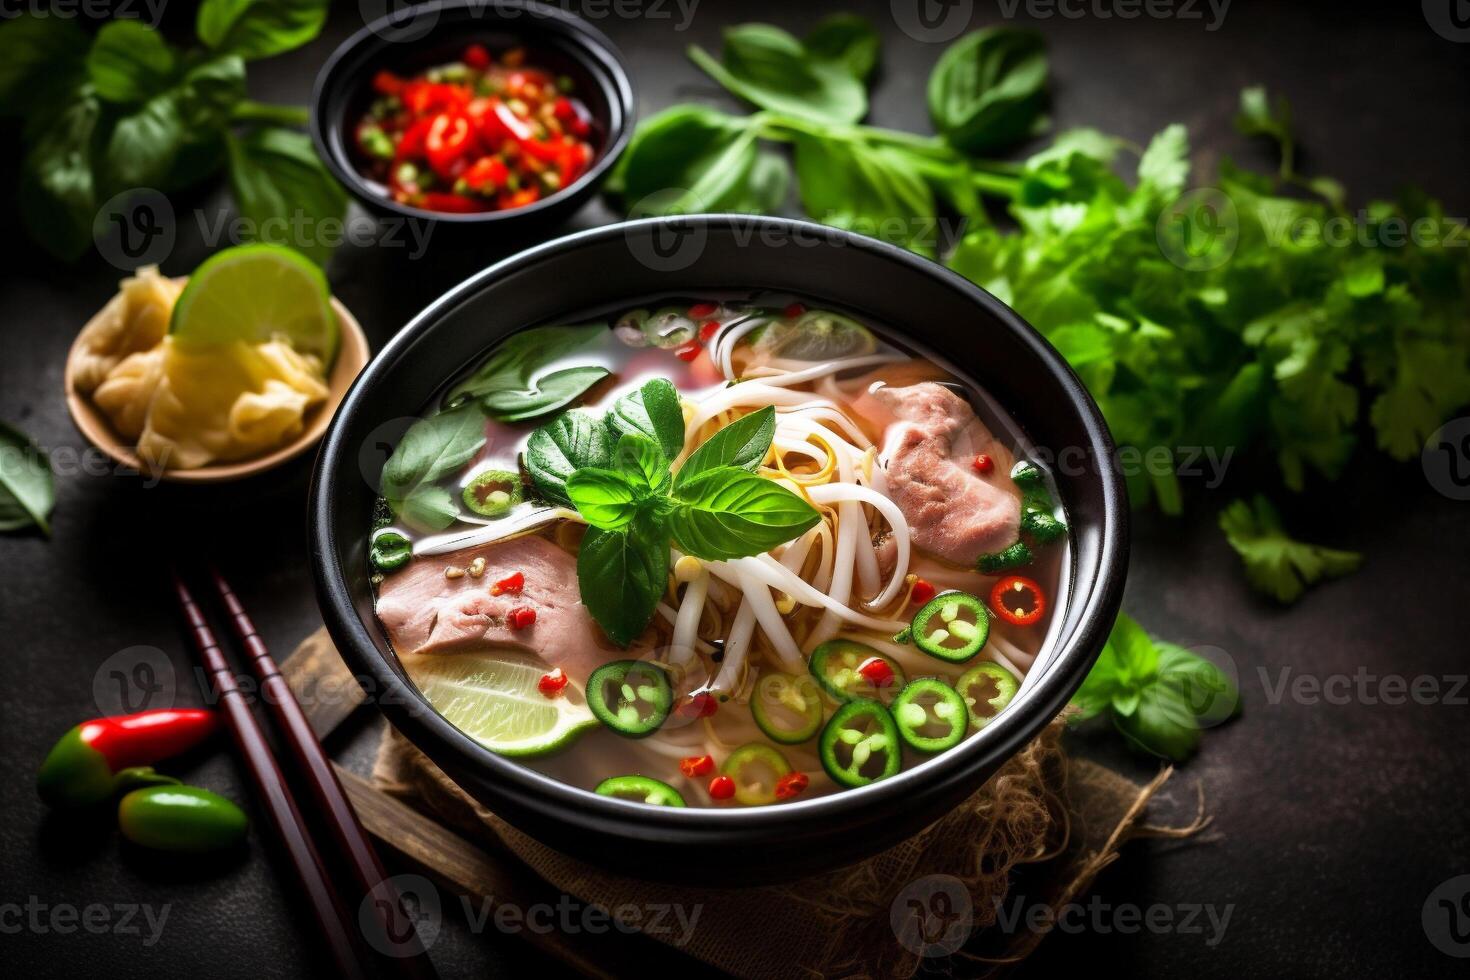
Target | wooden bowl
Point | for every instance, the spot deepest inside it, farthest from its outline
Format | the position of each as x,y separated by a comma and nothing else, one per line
352,357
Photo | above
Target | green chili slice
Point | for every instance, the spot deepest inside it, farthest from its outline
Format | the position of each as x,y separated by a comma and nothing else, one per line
640,789
630,696
756,768
860,744
493,493
986,689
390,550
930,715
838,665
788,708
952,626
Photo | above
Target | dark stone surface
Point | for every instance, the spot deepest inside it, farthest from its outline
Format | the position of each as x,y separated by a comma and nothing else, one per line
1333,822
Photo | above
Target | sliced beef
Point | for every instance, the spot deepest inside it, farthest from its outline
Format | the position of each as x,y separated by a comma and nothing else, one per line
424,612
929,447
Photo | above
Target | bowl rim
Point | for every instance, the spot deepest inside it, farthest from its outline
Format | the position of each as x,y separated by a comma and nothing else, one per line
353,355
593,47
1001,739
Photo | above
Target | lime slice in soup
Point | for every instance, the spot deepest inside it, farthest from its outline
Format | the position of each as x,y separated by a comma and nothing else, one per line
494,699
256,293
816,335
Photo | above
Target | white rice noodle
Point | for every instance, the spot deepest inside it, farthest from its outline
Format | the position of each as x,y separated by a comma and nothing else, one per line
506,527
672,615
852,493
824,369
758,595
773,574
1008,655
686,624
815,410
801,447
737,648
727,340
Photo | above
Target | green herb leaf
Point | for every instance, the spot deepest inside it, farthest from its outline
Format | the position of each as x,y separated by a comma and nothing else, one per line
27,490
988,90
847,40
653,411
1159,695
692,158
130,62
43,55
427,508
275,173
259,28
743,444
1275,563
623,574
507,381
569,442
58,190
767,66
606,498
870,190
430,450
641,462
728,513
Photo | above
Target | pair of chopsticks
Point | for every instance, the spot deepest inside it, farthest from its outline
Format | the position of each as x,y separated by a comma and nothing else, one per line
375,915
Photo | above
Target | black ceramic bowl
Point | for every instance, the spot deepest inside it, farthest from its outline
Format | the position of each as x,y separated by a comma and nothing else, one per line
424,35
602,268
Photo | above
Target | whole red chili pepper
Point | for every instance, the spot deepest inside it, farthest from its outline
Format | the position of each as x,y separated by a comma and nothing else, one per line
82,767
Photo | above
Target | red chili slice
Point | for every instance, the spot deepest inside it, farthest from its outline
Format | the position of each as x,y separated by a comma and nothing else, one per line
877,671
449,140
722,787
922,593
477,57
984,464
701,311
521,617
696,765
1008,595
552,684
511,583
452,203
700,705
709,329
791,784
687,352
387,83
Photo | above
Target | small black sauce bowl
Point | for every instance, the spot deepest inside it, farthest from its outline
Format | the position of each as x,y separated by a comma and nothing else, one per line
419,37
935,310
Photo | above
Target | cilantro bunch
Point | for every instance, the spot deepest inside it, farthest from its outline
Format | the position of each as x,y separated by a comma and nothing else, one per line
125,109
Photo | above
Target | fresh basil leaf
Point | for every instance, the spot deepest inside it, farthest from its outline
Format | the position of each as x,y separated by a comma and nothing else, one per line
1162,723
728,513
767,66
58,190
987,92
515,362
562,446
275,173
1134,655
691,159
430,450
259,28
644,465
653,411
41,53
623,574
428,508
130,62
743,444
209,91
27,489
867,189
550,392
847,40
608,499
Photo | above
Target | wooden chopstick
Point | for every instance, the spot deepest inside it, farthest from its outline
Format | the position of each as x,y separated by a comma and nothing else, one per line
270,788
396,937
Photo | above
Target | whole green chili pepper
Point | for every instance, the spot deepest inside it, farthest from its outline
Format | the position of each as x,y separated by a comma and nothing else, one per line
183,819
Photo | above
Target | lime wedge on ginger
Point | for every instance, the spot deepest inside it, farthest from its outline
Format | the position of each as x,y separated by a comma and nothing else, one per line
494,699
257,293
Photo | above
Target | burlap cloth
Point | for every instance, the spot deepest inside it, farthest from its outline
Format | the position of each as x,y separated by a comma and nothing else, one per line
1045,821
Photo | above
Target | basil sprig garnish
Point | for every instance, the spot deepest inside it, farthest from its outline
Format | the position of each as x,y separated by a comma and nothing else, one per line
715,507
